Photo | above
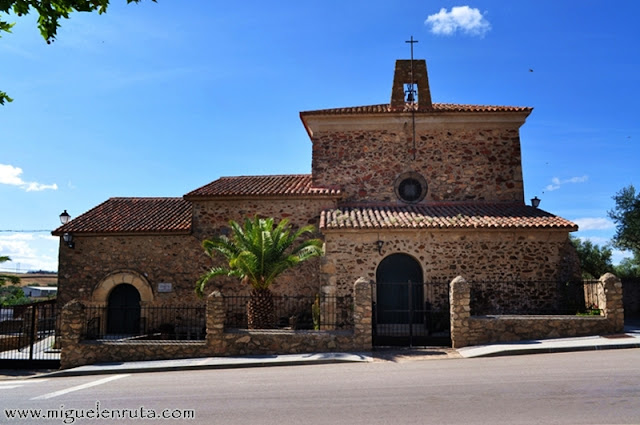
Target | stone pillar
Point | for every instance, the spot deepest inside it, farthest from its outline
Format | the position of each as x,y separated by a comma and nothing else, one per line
71,328
610,301
362,315
460,310
216,316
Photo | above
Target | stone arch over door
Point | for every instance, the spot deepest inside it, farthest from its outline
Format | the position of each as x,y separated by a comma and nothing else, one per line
102,290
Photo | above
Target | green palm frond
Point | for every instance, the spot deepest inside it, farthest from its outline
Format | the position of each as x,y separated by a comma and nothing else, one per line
259,251
7,277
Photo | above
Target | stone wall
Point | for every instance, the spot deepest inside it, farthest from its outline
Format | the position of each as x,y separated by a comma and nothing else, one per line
180,259
212,218
163,258
219,342
486,255
475,330
475,161
159,258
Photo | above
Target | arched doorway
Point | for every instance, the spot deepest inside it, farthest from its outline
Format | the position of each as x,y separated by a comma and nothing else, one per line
123,311
408,310
399,289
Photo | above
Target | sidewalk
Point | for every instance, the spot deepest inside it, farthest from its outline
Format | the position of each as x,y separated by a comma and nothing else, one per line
629,339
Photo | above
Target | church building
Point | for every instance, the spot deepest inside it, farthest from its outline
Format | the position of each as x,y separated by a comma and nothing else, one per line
408,190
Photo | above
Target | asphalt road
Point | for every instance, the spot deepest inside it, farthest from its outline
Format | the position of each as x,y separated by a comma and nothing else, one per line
569,388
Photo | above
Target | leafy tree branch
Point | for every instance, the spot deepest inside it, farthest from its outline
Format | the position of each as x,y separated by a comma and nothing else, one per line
50,13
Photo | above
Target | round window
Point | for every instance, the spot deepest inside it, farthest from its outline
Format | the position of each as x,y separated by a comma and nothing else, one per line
411,187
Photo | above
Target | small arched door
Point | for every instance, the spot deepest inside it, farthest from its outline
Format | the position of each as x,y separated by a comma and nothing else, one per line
399,290
123,311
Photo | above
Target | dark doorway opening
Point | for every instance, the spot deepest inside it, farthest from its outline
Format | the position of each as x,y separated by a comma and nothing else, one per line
408,311
123,311
399,279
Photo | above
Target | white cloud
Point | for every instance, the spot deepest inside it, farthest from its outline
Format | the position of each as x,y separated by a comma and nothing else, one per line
11,175
556,182
596,240
594,223
618,255
461,18
29,251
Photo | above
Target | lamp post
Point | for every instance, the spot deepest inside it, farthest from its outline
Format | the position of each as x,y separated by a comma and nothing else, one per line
67,237
535,201
64,217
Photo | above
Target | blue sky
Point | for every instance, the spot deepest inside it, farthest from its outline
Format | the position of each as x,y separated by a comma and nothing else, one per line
157,100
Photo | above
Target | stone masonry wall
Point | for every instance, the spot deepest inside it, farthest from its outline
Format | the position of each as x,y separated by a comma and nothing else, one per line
176,259
472,162
474,330
180,259
76,351
212,217
485,255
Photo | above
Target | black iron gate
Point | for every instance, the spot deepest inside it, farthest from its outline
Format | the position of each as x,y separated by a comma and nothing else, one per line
411,314
28,336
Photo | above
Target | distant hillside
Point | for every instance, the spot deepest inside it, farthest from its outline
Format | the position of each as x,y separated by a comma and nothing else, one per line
37,279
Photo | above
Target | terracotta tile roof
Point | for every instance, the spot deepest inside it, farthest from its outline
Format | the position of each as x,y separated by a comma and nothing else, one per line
133,215
277,185
437,108
442,216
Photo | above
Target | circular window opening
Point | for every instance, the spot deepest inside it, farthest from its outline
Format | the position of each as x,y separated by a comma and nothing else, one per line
411,187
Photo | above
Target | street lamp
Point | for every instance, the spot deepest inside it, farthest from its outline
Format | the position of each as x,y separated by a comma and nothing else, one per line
535,202
67,237
64,217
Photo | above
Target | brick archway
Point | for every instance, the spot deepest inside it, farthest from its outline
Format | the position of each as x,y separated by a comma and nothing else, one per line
103,289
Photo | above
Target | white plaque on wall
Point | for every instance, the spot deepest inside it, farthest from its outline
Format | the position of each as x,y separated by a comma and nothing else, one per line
164,287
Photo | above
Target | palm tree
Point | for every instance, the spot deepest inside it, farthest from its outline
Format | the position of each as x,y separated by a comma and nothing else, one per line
257,253
7,277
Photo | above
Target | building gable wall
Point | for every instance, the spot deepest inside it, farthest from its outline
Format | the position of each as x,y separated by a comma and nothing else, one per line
460,162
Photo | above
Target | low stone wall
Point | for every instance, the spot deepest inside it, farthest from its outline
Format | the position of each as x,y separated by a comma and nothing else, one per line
219,342
488,329
473,330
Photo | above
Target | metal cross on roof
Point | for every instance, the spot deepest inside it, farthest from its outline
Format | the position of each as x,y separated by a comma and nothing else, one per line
411,89
411,98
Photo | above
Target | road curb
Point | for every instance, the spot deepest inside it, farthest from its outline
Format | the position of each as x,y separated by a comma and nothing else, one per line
204,364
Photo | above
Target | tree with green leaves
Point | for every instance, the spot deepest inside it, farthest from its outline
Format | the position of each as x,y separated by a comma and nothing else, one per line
257,253
594,260
629,268
7,277
13,295
50,12
626,216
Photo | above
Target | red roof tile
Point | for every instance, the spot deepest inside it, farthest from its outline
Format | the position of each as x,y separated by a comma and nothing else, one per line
437,108
133,215
442,216
282,185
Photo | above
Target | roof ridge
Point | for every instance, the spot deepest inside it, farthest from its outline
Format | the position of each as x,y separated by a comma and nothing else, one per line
122,198
264,175
436,107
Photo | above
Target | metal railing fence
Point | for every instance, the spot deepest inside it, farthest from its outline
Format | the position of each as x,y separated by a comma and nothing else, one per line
172,322
534,297
323,312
